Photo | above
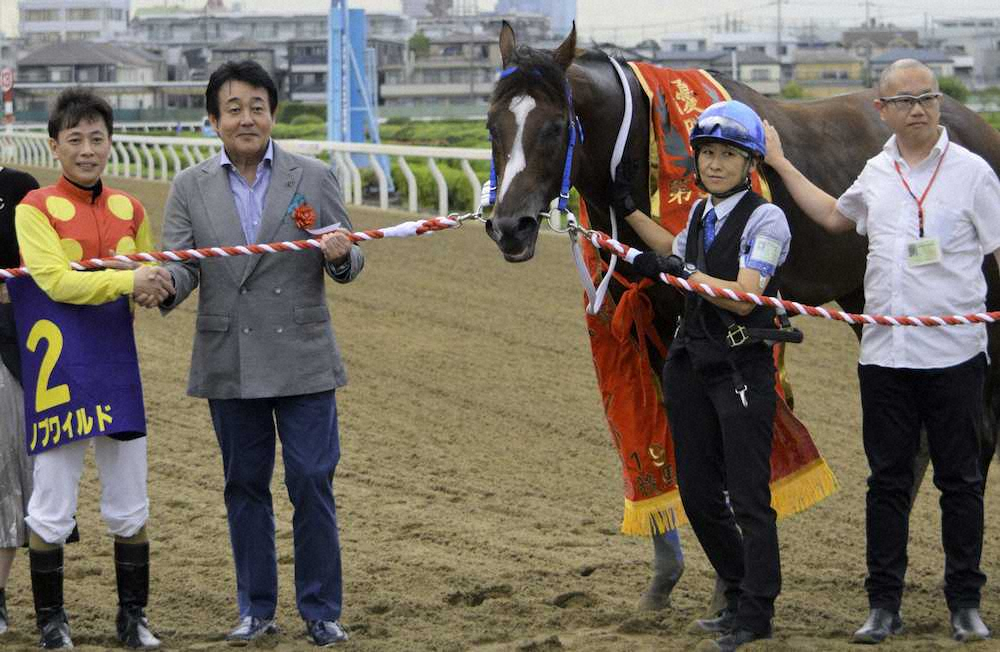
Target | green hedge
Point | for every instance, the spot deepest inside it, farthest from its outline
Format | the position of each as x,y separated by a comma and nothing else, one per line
288,111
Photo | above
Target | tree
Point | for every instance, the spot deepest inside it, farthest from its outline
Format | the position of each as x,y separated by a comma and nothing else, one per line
792,91
954,87
420,44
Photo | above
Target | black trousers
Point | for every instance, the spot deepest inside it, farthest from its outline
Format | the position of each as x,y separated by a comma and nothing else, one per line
721,445
896,404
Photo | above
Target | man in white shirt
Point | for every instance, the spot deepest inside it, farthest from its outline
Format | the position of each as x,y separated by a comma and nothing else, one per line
931,212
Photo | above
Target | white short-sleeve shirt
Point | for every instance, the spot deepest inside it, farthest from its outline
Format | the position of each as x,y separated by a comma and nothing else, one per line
962,211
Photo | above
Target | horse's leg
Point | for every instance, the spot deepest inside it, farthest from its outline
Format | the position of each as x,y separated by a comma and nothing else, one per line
668,566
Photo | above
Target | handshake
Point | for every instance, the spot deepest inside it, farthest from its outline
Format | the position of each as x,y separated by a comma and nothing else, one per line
151,285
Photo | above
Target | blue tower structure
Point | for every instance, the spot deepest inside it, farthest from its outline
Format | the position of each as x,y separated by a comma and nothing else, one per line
350,90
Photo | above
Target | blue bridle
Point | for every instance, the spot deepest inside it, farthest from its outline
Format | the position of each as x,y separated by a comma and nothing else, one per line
574,127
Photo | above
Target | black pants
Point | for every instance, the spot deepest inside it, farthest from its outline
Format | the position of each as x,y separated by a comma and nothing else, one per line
721,445
896,404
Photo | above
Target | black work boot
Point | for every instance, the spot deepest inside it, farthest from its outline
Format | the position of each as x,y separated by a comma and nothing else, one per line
3,611
47,589
132,573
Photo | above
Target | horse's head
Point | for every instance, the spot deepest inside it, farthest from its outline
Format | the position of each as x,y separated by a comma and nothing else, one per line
529,122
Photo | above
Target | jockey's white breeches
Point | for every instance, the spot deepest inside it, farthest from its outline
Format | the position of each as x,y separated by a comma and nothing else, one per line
121,466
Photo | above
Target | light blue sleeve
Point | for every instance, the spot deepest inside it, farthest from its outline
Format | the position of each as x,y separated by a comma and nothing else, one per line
766,240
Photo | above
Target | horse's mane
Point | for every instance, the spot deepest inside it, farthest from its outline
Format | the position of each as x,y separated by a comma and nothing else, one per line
539,70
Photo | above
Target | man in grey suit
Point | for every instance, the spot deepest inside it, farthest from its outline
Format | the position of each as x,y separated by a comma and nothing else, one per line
264,351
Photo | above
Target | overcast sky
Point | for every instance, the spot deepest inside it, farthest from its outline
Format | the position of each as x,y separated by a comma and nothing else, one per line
637,19
634,20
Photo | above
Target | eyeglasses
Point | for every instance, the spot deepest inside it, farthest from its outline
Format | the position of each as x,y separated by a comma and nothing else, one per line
907,102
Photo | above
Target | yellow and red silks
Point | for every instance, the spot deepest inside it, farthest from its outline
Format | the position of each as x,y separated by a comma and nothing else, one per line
621,331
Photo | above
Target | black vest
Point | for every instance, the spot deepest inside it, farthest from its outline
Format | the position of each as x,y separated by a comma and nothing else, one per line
703,331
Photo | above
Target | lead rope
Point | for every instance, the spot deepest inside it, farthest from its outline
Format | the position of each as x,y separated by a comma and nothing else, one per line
596,295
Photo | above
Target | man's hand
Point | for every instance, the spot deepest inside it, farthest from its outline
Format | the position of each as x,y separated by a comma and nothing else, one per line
772,143
621,189
4,294
336,246
152,286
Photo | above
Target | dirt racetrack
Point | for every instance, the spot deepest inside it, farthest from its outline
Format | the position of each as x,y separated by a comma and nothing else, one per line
478,492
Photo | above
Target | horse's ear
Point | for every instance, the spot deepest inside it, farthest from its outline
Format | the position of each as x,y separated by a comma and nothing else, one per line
507,43
567,49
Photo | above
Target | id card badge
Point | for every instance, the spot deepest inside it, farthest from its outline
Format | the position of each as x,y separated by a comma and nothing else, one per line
925,251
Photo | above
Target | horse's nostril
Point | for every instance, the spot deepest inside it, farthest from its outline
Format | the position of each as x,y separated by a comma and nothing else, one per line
526,224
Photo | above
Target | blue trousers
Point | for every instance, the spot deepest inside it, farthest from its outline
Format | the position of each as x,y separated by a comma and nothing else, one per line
310,446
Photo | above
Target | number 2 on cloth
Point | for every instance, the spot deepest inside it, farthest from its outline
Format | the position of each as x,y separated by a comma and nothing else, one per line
47,397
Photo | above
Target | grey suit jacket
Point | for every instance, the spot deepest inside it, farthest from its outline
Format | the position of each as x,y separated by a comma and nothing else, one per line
263,325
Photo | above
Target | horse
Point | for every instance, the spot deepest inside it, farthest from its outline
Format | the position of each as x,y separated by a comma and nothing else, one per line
532,119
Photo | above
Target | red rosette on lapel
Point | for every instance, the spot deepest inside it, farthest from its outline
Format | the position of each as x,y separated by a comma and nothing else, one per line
304,216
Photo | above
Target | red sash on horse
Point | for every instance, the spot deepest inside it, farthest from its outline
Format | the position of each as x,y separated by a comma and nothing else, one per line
619,334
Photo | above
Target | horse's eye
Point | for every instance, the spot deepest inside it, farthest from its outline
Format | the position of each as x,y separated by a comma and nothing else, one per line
552,129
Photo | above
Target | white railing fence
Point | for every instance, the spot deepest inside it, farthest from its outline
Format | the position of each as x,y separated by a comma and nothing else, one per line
160,158
123,127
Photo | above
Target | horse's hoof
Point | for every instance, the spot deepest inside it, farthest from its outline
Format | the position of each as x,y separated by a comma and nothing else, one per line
654,601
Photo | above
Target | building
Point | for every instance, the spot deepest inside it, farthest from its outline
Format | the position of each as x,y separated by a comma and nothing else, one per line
187,39
755,69
760,42
679,42
242,48
974,44
458,71
415,8
940,63
867,42
50,21
827,72
561,13
130,78
306,75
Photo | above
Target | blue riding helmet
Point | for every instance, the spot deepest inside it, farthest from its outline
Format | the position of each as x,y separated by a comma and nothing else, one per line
733,123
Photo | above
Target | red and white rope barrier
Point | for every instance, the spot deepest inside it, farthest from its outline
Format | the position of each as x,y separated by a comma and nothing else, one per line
403,230
603,241
596,238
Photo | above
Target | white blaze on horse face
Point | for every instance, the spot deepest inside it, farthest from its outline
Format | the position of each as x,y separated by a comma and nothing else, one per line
520,106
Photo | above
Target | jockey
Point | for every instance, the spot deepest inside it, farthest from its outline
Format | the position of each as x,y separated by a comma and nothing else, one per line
718,380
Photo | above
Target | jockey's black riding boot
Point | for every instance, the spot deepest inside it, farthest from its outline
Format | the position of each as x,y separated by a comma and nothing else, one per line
132,573
47,589
3,610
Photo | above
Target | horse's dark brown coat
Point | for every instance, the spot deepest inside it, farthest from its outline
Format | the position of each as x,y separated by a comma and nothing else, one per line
828,140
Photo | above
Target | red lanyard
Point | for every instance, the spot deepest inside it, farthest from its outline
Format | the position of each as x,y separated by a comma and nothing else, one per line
920,202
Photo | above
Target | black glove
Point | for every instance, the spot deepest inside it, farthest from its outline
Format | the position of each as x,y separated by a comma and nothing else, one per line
621,188
650,264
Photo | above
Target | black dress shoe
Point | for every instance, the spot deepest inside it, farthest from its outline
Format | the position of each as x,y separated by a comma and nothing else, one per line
738,638
967,625
720,624
250,629
325,632
55,632
880,625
